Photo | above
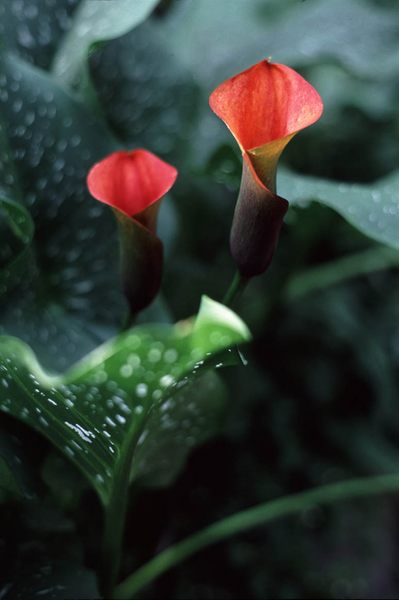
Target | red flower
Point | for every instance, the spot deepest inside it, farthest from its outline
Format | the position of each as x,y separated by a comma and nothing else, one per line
133,183
264,107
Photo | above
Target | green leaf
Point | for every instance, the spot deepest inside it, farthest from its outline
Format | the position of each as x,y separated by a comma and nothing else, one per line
18,219
16,481
8,176
55,580
215,322
33,29
96,21
185,420
15,258
8,485
20,261
65,482
53,140
373,209
260,29
115,404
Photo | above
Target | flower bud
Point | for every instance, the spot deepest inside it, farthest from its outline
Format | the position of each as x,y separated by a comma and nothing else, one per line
133,184
257,221
264,107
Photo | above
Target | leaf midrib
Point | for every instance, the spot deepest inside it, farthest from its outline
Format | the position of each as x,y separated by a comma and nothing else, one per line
48,412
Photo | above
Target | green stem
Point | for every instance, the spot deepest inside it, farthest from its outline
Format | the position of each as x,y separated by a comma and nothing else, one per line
242,521
115,514
236,288
361,263
128,321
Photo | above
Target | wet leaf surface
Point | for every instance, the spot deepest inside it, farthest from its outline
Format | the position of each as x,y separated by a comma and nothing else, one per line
268,29
33,29
94,22
54,141
133,390
54,581
372,209
308,387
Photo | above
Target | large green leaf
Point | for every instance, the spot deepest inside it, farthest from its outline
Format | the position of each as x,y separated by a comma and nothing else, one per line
16,215
16,224
8,177
130,399
55,580
33,29
54,141
18,219
16,473
261,29
96,21
373,209
19,261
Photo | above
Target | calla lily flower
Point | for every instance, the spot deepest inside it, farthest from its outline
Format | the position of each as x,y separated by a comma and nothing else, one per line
133,184
264,107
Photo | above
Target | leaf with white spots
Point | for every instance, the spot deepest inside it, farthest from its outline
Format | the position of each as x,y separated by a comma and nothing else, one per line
18,219
184,420
373,209
308,32
16,224
16,480
50,143
33,29
141,398
15,258
96,21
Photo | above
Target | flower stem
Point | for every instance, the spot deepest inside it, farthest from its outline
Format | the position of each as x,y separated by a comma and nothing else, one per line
115,514
128,321
236,288
253,517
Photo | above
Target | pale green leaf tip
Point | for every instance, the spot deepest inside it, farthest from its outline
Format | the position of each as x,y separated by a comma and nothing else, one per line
211,311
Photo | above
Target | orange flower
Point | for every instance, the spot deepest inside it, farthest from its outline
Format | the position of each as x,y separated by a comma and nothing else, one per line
264,107
133,183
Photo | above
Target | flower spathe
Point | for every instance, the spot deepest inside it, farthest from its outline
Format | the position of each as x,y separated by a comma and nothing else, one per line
133,184
264,107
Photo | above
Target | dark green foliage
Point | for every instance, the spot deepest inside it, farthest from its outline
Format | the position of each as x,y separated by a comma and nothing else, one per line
318,400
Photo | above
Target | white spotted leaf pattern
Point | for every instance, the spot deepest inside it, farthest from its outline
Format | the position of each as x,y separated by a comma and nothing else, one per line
373,209
95,21
150,393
